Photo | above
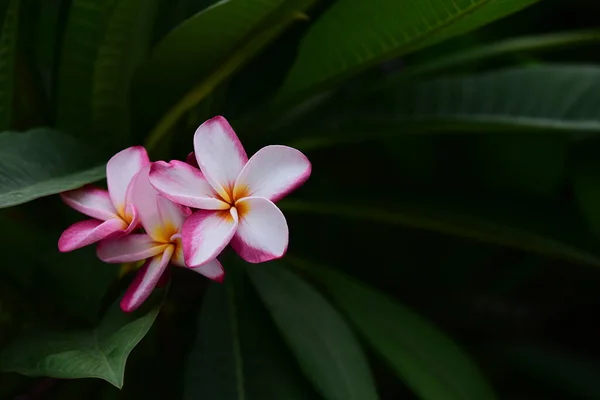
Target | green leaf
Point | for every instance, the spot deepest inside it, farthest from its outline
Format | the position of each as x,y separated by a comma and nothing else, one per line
238,353
503,223
430,363
345,41
190,56
125,43
98,353
324,345
543,98
8,49
84,33
42,162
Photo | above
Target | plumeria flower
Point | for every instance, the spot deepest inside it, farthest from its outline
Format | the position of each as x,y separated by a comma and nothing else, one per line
112,210
159,246
235,196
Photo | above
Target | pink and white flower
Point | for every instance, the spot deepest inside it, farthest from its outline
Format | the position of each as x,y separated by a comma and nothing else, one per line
159,246
235,196
112,211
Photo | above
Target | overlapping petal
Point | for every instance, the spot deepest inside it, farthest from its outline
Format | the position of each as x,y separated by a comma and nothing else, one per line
160,217
91,201
90,231
206,233
262,232
184,184
212,270
146,280
120,170
273,172
220,154
130,248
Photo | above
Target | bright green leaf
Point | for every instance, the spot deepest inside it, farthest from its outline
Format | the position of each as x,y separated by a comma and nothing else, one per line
42,162
524,228
345,41
424,357
324,345
125,43
543,98
98,353
238,353
8,49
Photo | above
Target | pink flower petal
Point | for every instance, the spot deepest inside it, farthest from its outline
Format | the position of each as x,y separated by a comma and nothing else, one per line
273,172
184,184
220,154
91,201
90,231
120,170
191,159
146,280
212,270
206,233
262,233
130,248
160,217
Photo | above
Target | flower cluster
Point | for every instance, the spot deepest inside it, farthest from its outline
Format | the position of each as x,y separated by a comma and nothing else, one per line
185,213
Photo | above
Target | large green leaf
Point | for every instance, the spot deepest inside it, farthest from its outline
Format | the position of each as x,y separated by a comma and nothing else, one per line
238,353
543,98
85,29
8,48
324,345
125,43
42,162
220,38
345,39
98,353
423,356
503,223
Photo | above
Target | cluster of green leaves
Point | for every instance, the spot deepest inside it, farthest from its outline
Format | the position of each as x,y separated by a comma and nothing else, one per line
423,174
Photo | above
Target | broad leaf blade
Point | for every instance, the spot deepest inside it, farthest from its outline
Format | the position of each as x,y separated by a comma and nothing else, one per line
86,26
424,357
238,353
8,49
125,44
344,41
324,345
190,52
98,353
544,98
42,162
523,228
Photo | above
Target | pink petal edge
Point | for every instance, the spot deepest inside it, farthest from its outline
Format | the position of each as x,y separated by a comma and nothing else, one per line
84,233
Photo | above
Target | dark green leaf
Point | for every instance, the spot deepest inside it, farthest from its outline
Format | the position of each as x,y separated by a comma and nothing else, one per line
85,30
324,345
238,353
42,162
8,49
544,98
423,356
98,353
504,224
216,38
345,41
125,43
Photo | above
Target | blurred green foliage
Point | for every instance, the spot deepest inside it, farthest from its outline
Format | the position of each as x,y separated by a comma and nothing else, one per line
444,248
